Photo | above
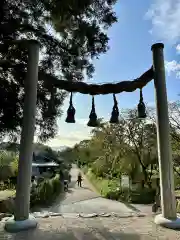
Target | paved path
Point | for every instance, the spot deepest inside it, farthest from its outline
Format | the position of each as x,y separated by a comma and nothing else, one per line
60,228
85,201
70,226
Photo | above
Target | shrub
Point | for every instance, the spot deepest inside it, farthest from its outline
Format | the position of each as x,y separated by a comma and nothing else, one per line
106,187
8,169
110,188
113,195
142,196
178,206
6,158
138,196
46,191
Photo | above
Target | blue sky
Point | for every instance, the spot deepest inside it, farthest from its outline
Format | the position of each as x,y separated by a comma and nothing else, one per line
138,27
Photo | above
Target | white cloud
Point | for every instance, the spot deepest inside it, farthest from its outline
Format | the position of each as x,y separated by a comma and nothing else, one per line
82,121
178,49
70,134
165,18
173,67
68,140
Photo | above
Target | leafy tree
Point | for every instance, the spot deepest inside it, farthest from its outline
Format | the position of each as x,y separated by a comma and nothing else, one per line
125,148
141,136
80,36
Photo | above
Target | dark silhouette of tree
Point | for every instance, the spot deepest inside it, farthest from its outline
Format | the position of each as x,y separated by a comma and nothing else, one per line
80,37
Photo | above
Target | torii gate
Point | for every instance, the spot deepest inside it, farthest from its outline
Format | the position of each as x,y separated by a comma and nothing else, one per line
22,219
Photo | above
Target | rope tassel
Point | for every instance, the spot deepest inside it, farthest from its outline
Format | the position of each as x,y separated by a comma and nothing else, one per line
141,107
115,112
93,117
71,112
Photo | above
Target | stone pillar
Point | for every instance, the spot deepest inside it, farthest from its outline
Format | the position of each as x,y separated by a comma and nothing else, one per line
168,217
21,219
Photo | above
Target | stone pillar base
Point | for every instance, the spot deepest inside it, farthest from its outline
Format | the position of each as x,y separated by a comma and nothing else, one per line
168,223
16,226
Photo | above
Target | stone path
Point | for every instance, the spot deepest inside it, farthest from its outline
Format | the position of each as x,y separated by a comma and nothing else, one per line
84,200
60,228
85,215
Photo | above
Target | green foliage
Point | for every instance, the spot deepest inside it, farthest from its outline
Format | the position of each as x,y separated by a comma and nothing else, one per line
142,196
130,148
116,149
125,148
46,191
103,186
111,189
178,206
71,34
121,194
138,196
8,165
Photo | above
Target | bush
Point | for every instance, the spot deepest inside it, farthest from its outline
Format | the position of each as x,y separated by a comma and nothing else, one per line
106,187
6,158
8,169
142,196
110,188
113,195
46,191
178,206
138,196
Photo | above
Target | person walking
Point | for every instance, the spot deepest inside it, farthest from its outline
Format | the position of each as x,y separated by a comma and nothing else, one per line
79,180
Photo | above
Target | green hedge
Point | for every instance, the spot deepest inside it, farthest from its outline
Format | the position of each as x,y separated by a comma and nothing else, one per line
46,191
111,189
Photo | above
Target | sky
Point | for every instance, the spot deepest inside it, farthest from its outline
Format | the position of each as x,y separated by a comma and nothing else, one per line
139,26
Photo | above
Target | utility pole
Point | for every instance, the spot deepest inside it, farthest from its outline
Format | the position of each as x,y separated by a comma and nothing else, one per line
22,220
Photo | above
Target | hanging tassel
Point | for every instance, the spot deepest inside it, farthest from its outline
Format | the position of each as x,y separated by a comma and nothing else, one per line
70,112
115,112
141,107
93,117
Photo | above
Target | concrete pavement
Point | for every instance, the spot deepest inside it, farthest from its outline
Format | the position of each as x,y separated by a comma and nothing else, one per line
60,228
84,200
69,226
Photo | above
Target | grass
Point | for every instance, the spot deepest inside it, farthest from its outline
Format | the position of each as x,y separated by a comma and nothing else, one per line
103,186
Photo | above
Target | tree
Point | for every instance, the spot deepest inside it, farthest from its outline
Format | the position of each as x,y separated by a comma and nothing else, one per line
141,136
81,27
174,116
125,148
